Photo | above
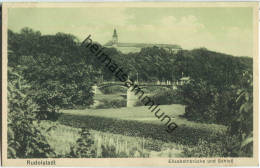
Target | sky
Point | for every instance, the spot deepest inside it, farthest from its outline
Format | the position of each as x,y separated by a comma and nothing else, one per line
228,30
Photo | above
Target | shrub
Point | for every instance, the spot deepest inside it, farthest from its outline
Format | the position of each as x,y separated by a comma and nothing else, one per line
162,96
241,124
198,96
84,147
108,152
167,96
232,107
224,146
205,149
114,103
24,138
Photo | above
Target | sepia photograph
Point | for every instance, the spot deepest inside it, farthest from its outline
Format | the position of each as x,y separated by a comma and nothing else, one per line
130,84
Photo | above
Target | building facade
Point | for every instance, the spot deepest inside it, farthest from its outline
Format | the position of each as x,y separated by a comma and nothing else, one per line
136,47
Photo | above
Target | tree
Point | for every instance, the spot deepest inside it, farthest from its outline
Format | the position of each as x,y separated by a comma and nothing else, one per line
24,138
59,73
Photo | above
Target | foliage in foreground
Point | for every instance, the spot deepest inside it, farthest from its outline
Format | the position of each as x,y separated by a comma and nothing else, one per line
232,107
68,141
86,147
24,138
211,147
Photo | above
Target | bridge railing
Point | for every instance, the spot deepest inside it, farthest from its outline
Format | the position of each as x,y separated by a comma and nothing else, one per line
158,83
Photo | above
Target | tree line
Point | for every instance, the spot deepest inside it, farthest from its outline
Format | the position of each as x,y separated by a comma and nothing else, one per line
57,72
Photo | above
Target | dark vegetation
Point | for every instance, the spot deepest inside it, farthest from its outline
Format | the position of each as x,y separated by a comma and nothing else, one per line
184,135
84,146
24,138
55,77
232,107
113,90
111,103
47,73
168,96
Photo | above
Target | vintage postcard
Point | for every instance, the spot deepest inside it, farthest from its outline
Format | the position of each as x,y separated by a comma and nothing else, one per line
130,84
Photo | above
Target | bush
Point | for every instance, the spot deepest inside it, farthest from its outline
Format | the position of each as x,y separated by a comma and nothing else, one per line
24,138
232,107
168,96
198,96
210,147
84,147
108,151
114,103
162,96
224,146
241,124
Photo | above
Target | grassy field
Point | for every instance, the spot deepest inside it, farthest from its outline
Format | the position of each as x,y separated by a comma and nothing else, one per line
143,114
61,138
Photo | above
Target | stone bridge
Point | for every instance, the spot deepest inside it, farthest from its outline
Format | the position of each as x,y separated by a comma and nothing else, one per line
130,94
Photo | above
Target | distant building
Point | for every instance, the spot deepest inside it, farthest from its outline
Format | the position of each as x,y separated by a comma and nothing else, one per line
136,47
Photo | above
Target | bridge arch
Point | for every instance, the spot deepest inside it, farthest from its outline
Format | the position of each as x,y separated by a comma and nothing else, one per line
131,97
111,85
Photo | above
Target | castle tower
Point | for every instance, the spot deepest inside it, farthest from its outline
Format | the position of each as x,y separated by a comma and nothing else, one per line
115,37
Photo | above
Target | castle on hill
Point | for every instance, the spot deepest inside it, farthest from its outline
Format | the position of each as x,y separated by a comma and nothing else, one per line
136,47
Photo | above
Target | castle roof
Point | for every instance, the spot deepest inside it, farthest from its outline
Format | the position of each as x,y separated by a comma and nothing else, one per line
142,45
137,45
